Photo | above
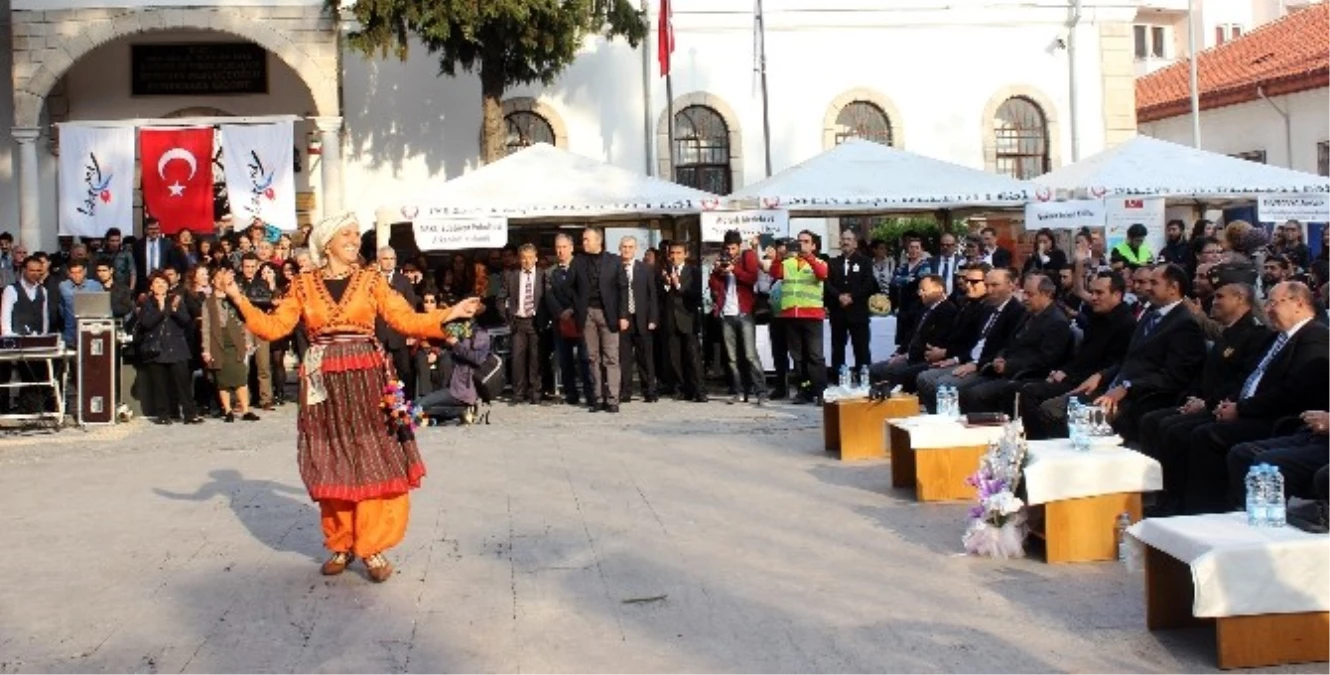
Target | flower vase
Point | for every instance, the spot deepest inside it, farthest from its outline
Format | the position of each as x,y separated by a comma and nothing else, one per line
1007,540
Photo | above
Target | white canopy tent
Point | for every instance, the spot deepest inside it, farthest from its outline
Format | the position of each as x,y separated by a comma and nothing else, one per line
545,183
860,177
1149,167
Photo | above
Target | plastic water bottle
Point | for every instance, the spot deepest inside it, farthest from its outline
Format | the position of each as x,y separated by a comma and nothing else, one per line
945,402
1074,430
844,378
1255,496
1275,507
864,384
1124,522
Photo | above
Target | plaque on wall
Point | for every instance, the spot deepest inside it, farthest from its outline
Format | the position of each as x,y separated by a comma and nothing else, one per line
201,69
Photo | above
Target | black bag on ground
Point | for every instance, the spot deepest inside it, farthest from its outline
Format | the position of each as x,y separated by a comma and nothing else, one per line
490,378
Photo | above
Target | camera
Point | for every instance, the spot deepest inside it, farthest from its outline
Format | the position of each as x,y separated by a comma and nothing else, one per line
725,259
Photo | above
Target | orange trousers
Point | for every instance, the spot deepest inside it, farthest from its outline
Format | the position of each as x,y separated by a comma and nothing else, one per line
365,527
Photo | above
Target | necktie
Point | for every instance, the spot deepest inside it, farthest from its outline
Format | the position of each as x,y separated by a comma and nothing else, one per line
847,269
528,295
632,302
152,255
1151,321
1249,387
946,274
992,319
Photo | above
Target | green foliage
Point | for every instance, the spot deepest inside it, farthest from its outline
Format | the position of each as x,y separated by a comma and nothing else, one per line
925,226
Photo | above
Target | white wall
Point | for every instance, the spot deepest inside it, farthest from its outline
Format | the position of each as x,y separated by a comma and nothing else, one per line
1256,126
409,128
8,158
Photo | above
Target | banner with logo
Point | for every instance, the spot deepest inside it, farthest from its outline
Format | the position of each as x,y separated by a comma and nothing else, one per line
260,173
1123,212
752,223
177,177
1069,215
452,234
1305,208
96,183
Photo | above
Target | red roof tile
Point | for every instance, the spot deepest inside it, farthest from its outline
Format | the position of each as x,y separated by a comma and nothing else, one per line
1283,57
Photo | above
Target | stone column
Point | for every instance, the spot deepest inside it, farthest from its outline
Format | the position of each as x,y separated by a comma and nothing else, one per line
29,224
330,163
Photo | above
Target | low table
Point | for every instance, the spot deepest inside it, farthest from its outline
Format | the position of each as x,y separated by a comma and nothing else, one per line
935,455
1076,497
1267,590
854,428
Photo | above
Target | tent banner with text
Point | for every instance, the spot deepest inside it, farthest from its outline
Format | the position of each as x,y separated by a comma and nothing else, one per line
96,180
1123,212
452,234
1305,208
1068,215
715,224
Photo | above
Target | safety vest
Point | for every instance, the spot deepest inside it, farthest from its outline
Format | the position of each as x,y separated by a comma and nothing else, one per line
800,291
1134,258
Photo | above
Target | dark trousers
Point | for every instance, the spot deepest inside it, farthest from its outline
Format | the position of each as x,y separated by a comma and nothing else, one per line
779,336
172,389
635,345
687,363
667,381
1207,468
857,333
1298,458
430,377
525,359
1043,408
401,358
278,358
902,374
810,365
574,368
990,393
547,363
1166,436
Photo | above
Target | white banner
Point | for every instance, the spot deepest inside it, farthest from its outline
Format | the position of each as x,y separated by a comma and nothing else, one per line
1307,208
451,234
96,180
750,224
260,176
1123,212
1069,215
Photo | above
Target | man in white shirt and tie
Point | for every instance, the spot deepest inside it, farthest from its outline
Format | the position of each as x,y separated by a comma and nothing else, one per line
152,253
522,308
949,262
25,310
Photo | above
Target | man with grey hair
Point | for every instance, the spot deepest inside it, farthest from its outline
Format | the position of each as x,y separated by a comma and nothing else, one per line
574,368
635,343
394,343
600,308
1040,344
523,310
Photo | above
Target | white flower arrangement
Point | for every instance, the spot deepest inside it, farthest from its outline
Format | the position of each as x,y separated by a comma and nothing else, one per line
997,522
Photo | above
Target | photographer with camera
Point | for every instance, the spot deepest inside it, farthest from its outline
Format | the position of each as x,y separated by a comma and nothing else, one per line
801,305
731,283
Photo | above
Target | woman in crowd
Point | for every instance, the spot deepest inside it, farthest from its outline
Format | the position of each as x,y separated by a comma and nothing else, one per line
282,249
184,240
356,463
430,356
1046,258
165,322
227,345
193,292
1288,243
205,249
282,277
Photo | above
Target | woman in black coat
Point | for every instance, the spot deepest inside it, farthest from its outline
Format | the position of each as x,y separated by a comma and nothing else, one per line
1046,258
165,324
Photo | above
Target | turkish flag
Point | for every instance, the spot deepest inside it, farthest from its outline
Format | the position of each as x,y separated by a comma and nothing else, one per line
176,165
665,37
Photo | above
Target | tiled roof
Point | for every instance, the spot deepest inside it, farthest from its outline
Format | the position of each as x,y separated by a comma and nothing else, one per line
1282,57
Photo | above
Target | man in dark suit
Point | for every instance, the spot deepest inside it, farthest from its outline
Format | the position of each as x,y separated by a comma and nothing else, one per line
154,252
1291,378
1041,344
523,311
994,254
635,344
574,367
1002,317
683,310
1164,356
1165,433
935,322
394,343
1107,332
849,284
600,307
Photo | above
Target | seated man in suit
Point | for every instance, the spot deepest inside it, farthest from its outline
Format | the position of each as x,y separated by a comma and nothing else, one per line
1164,356
1040,344
1108,328
1298,456
935,322
1000,321
1165,432
1291,378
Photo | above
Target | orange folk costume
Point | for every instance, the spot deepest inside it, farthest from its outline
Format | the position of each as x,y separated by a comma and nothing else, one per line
356,468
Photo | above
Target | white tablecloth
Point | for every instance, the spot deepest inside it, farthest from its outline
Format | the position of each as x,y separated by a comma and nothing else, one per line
928,432
881,342
1055,471
1239,570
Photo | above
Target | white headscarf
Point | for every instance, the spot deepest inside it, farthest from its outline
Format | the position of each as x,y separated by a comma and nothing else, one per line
323,233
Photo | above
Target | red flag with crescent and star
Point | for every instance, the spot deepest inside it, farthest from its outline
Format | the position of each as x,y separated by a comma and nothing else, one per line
176,166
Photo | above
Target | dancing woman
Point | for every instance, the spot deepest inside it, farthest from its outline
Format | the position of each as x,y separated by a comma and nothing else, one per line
353,465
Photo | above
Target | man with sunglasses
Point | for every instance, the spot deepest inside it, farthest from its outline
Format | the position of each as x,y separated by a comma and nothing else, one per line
1001,316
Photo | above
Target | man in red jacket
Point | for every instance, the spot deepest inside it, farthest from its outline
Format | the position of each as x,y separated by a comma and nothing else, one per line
731,283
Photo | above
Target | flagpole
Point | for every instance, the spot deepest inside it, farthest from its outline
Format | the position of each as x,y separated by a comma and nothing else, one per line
669,124
666,43
762,72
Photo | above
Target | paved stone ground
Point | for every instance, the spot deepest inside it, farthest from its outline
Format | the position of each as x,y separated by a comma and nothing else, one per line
673,537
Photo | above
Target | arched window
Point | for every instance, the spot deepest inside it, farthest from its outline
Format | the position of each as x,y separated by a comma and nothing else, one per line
1020,132
702,150
526,128
862,119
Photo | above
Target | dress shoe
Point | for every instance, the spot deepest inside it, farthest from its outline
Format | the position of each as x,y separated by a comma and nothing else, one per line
651,398
164,421
194,420
701,398
779,394
572,401
337,563
250,417
626,399
594,407
229,417
612,408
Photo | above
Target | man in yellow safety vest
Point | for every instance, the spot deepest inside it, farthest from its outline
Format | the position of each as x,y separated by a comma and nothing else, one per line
1133,252
801,305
